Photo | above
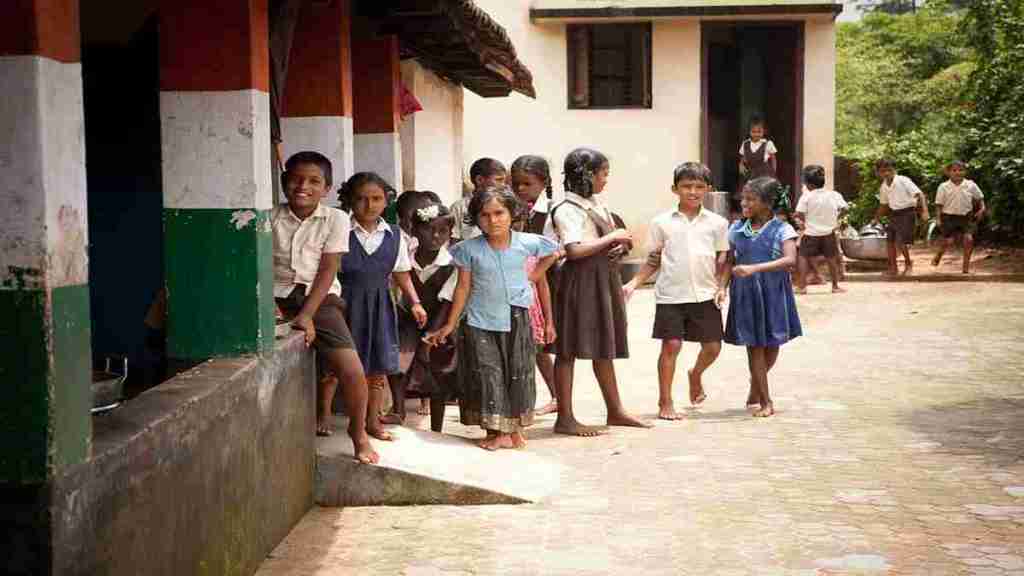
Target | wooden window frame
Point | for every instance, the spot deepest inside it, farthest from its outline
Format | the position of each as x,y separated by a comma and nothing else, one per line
646,73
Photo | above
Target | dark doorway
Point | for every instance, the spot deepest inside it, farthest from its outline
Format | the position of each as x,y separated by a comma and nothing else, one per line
752,69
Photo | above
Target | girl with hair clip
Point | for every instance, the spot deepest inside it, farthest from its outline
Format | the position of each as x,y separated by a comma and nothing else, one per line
590,312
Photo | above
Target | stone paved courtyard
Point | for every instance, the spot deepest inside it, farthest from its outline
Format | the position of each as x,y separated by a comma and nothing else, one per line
898,448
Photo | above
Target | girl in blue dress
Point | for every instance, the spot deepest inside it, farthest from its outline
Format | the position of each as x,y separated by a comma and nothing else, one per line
762,308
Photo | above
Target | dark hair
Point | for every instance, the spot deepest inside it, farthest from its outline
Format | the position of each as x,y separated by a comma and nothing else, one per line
485,167
406,201
814,176
958,164
502,194
580,166
309,157
357,181
432,196
691,171
884,163
757,120
442,212
537,166
771,192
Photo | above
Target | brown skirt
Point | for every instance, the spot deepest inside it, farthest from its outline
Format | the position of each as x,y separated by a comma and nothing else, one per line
590,314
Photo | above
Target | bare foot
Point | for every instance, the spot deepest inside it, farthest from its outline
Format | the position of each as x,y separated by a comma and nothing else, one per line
937,260
392,419
697,395
815,280
908,269
765,411
627,420
574,428
518,439
424,409
364,452
380,433
496,442
323,429
668,412
967,271
891,273
753,400
549,408
838,290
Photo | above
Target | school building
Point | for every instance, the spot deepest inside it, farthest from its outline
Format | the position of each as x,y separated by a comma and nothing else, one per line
137,157
652,83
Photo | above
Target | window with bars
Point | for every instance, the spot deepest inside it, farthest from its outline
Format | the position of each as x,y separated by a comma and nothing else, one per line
609,65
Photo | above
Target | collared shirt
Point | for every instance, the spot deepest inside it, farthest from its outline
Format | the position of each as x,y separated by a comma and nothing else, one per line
300,244
821,208
767,145
572,222
958,200
499,278
424,273
901,194
689,251
371,241
461,230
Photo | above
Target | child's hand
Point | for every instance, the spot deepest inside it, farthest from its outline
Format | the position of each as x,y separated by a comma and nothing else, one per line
742,271
434,339
622,236
419,314
627,290
305,323
720,297
550,335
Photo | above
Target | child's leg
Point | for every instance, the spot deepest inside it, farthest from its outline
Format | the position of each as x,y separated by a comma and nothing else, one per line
346,364
604,371
709,352
566,422
374,427
770,357
968,251
890,245
802,267
833,270
946,244
546,367
908,264
759,375
670,348
442,388
397,382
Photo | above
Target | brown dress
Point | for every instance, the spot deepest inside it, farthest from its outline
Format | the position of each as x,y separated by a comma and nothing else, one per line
590,314
422,376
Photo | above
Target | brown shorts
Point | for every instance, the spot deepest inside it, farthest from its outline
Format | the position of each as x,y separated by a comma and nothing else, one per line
692,322
954,225
811,246
329,319
901,225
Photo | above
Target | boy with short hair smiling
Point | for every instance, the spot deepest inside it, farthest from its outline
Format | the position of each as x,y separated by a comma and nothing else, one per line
689,245
960,205
309,240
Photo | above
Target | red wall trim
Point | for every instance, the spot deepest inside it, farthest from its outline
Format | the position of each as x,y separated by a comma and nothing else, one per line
203,47
376,98
47,28
320,64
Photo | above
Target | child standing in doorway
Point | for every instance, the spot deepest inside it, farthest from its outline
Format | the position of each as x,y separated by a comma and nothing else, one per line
497,354
378,253
590,313
531,182
819,210
901,200
484,173
757,156
960,205
689,245
762,308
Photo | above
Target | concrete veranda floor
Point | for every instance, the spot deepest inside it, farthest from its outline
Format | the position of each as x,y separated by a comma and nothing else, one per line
898,448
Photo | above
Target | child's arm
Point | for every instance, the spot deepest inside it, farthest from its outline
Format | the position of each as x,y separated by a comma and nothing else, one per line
325,275
404,281
772,163
541,268
788,260
725,262
588,248
544,295
455,311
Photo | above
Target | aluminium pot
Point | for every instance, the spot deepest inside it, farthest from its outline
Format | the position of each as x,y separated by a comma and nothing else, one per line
108,386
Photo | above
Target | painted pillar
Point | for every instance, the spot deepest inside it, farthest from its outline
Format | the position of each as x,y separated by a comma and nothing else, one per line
317,111
377,113
45,351
215,132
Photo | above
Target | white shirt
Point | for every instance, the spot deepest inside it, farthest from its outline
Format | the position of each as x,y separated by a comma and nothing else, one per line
769,147
371,241
821,208
444,258
689,251
958,200
572,222
901,194
300,244
461,230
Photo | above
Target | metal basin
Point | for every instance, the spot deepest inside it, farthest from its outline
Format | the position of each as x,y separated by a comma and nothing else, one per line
867,248
108,387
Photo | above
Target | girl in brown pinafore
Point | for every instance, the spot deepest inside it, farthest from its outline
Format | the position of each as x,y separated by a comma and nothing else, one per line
590,314
757,158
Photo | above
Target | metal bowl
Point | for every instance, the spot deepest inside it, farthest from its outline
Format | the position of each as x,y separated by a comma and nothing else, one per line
108,387
871,248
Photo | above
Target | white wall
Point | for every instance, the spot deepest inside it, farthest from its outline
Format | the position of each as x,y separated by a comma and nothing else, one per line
432,145
819,94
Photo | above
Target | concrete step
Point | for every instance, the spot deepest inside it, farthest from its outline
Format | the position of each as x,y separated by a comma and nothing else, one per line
422,467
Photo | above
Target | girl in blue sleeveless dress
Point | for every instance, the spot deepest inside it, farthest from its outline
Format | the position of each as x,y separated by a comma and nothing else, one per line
762,308
377,252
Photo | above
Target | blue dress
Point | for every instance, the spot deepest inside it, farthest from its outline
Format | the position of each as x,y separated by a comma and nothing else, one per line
365,283
762,308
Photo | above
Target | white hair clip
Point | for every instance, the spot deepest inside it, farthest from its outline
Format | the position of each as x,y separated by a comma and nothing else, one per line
429,213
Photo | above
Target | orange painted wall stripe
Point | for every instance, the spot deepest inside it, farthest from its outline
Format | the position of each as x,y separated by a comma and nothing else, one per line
47,28
376,99
207,47
320,65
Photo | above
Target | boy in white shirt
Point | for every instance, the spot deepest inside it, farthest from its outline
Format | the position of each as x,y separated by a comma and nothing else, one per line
484,173
689,246
818,211
901,200
960,205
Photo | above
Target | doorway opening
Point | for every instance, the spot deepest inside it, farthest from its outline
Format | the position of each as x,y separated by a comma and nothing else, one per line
752,70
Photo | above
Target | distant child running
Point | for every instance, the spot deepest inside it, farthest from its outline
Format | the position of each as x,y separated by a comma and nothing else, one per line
819,211
901,200
497,356
309,240
960,205
758,156
484,173
531,182
377,253
689,245
590,312
762,308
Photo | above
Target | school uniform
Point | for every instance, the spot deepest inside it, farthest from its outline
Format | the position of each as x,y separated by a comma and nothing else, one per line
435,285
957,203
757,158
462,230
496,355
821,210
590,315
298,247
366,277
684,292
902,199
